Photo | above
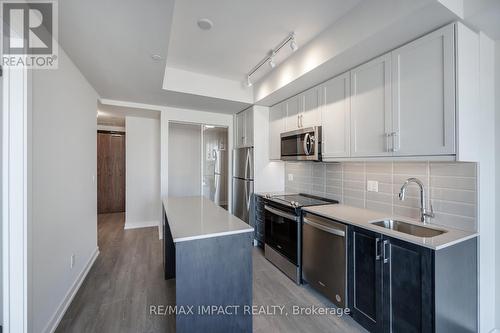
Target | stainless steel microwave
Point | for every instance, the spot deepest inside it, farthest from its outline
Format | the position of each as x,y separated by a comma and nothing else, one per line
301,145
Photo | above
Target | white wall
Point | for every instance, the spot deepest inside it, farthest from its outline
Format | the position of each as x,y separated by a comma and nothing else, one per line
62,203
497,154
486,174
142,154
269,175
184,160
1,214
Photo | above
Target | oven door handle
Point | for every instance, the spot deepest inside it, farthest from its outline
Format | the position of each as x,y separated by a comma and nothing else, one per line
280,213
325,228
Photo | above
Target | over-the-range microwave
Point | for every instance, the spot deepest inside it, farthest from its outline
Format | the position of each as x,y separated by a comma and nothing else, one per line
301,145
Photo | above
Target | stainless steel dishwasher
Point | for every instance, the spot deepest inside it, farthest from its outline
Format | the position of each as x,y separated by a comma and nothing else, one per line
324,257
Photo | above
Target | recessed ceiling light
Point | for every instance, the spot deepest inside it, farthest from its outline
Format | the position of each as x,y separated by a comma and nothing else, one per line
156,57
205,24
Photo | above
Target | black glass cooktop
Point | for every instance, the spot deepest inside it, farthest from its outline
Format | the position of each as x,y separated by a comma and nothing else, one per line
302,200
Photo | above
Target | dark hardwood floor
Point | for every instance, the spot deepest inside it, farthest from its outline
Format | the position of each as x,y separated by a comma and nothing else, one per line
127,278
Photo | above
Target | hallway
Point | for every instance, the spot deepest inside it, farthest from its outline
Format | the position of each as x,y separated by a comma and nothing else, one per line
126,278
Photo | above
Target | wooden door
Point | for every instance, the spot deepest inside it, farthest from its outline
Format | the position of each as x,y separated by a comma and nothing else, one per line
335,117
423,91
110,172
371,123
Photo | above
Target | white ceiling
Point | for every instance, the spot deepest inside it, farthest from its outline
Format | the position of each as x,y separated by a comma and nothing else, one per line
111,41
107,119
244,31
111,115
484,15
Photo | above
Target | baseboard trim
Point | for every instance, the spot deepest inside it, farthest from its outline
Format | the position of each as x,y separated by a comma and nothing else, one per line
141,224
61,309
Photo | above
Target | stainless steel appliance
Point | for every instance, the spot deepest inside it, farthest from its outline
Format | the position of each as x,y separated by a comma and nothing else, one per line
220,183
301,145
324,257
214,183
283,230
242,182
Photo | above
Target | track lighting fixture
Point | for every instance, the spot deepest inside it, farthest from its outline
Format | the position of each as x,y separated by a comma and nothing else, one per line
272,64
271,57
293,43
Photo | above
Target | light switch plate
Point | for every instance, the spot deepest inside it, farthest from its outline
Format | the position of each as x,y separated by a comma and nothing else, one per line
372,186
290,177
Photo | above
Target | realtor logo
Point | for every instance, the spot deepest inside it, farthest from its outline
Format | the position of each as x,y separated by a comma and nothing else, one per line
29,31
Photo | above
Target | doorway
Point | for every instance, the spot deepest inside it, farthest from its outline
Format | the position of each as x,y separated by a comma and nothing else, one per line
198,161
110,172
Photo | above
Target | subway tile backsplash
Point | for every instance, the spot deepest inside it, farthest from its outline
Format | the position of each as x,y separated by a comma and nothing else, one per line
451,187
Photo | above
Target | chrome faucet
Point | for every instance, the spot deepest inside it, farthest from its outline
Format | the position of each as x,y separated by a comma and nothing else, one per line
424,212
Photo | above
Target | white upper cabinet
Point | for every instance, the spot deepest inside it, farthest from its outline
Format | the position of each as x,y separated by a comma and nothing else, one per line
371,120
423,95
311,115
303,110
293,112
240,129
335,116
277,116
248,128
244,129
401,104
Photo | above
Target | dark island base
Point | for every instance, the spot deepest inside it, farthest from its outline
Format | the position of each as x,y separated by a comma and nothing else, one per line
213,282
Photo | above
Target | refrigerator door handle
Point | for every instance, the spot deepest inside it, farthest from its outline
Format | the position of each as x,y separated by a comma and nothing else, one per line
248,197
247,163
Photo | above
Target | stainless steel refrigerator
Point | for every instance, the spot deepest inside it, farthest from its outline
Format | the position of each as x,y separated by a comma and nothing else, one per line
220,182
215,165
242,182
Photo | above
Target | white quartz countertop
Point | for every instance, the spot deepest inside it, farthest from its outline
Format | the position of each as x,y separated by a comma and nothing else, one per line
191,218
362,217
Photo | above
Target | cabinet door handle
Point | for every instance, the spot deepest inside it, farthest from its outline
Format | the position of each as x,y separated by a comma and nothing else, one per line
377,249
395,145
298,123
386,253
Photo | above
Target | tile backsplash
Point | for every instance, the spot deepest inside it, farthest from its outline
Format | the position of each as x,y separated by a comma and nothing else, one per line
451,187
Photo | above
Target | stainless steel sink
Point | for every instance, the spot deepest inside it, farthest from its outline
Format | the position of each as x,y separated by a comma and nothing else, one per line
408,228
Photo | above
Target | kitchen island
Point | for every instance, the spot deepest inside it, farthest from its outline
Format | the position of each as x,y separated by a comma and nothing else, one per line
209,253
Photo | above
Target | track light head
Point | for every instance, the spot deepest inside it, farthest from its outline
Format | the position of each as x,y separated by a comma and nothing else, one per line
293,43
249,82
272,64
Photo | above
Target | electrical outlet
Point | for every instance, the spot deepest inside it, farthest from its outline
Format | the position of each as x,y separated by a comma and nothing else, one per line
72,261
372,186
290,177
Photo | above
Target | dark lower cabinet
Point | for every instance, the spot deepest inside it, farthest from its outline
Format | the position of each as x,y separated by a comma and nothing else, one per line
365,278
399,287
408,300
259,219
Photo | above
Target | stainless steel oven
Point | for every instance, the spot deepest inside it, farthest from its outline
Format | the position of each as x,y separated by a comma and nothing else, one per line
301,145
282,234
